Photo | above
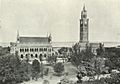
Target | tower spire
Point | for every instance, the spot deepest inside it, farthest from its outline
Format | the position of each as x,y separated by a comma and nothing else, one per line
17,35
84,26
84,7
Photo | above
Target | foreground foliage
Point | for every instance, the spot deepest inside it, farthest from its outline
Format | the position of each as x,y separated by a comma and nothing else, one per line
12,70
52,59
35,69
59,68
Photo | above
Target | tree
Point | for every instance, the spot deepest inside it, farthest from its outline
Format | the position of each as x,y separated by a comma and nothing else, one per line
4,50
112,60
35,69
78,56
52,59
114,79
12,70
101,50
59,68
63,50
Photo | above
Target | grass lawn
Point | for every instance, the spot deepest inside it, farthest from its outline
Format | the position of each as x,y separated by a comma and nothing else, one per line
55,79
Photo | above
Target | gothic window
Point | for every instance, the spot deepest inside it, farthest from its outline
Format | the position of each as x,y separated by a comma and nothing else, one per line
25,50
40,54
35,49
32,49
45,49
20,50
52,54
41,49
45,55
31,55
21,55
26,55
50,50
40,57
36,55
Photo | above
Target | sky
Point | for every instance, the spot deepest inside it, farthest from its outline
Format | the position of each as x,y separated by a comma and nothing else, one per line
60,18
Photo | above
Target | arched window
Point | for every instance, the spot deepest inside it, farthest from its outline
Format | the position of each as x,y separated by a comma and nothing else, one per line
40,57
26,55
45,55
50,50
41,49
20,50
25,50
22,56
37,49
52,54
36,55
32,49
40,54
31,55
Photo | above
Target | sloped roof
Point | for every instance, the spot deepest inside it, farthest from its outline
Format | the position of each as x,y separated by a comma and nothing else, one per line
34,39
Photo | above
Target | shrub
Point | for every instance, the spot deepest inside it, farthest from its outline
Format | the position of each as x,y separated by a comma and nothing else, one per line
35,69
59,68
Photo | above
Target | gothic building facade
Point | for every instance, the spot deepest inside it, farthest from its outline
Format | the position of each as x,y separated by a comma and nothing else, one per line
84,33
32,47
84,26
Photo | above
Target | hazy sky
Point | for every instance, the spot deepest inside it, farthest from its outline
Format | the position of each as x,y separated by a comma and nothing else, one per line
60,18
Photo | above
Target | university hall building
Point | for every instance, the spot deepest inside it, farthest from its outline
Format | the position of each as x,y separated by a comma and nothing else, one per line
32,47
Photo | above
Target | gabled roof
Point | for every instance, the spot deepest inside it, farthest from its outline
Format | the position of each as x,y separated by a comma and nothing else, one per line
34,39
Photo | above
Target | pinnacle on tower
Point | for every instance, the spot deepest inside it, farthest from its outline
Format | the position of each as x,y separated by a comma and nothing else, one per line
17,35
84,8
50,37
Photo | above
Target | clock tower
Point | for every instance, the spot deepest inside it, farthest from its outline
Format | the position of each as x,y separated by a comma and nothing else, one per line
84,26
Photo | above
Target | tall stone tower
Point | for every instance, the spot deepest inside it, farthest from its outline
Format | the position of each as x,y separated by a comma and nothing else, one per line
84,26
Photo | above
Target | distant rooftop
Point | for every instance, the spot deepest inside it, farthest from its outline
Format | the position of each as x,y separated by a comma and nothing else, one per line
34,39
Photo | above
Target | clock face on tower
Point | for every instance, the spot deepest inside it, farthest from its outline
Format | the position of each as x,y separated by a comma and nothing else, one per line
85,22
